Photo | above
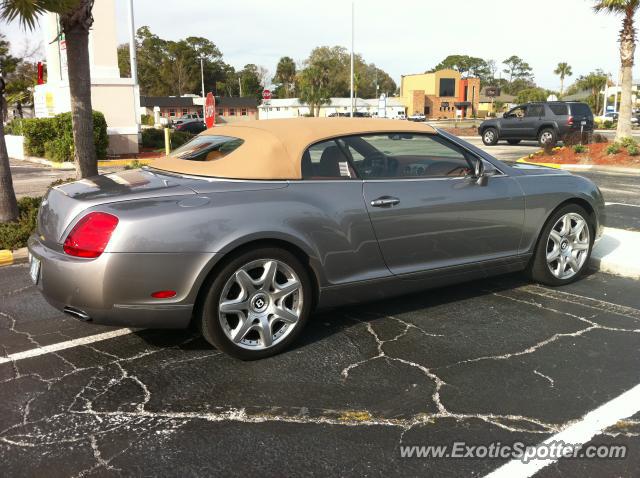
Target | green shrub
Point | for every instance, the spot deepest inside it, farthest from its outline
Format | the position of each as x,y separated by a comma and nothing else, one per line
14,127
147,120
135,164
152,138
579,148
628,141
14,235
633,150
613,148
178,138
58,150
608,124
59,129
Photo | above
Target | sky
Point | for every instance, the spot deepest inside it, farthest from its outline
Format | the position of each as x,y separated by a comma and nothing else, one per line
399,36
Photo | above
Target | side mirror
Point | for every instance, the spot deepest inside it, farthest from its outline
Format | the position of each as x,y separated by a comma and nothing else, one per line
479,176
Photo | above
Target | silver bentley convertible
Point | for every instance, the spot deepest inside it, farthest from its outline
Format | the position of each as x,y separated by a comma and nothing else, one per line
248,228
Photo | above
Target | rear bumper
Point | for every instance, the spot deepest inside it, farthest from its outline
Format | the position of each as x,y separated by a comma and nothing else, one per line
116,288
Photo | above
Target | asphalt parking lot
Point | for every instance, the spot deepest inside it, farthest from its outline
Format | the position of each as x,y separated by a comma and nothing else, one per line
500,360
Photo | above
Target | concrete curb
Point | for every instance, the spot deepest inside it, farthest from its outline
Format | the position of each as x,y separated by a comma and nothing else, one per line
122,162
618,253
13,257
583,167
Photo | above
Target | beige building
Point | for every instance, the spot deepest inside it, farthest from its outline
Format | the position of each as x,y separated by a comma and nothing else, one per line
440,94
112,95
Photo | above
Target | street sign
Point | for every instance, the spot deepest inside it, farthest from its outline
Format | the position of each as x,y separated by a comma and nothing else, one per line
492,91
210,110
266,95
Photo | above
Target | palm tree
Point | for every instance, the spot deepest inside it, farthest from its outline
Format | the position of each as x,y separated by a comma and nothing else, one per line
286,75
76,20
563,70
627,39
8,202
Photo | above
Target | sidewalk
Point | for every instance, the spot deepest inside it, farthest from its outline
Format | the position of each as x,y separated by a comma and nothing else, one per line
618,252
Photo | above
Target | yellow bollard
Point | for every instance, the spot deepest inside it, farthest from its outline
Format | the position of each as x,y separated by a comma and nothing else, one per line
167,141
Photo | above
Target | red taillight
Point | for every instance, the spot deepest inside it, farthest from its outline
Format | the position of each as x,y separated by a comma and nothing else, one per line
570,121
90,235
164,294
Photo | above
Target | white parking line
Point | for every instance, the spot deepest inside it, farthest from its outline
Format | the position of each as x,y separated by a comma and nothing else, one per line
579,433
65,345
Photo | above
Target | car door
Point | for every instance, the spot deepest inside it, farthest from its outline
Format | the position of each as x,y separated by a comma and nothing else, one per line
533,118
426,209
511,124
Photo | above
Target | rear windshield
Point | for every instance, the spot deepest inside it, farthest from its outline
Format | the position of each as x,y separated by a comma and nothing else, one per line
207,148
580,109
559,109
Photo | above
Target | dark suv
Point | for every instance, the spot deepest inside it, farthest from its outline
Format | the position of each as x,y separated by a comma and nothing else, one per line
546,122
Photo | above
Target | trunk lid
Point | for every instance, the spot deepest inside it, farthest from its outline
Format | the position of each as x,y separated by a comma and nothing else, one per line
64,202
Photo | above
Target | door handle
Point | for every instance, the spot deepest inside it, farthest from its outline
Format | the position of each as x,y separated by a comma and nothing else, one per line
385,201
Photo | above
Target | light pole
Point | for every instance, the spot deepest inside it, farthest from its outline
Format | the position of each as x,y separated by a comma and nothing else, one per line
352,41
134,65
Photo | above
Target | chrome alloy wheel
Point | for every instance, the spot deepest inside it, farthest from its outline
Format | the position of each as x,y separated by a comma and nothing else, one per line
568,246
489,136
546,137
260,304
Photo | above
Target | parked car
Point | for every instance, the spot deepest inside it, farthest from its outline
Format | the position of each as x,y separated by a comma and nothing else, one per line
187,119
417,117
613,117
194,127
248,228
544,122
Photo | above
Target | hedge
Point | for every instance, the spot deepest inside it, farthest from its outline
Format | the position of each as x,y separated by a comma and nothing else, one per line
14,235
154,138
52,138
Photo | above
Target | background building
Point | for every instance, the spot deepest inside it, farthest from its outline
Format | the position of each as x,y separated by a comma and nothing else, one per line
292,108
440,94
228,109
113,96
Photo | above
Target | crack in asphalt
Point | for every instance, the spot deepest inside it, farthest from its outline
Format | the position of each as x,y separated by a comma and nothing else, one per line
80,422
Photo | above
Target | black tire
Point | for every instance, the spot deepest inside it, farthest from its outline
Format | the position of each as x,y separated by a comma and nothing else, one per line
538,269
549,133
513,141
490,136
207,315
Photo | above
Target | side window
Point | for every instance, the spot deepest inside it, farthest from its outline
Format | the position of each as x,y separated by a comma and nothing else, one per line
406,156
559,109
535,111
325,160
517,112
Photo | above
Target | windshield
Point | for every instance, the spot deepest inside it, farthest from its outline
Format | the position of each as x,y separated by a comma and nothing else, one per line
207,148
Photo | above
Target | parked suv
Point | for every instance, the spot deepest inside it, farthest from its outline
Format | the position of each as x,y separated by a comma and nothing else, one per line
545,122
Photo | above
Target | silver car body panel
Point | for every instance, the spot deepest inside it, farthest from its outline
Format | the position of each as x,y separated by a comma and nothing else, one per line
174,229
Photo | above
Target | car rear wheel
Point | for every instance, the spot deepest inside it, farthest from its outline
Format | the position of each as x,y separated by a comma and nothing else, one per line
490,136
564,247
257,304
513,141
547,136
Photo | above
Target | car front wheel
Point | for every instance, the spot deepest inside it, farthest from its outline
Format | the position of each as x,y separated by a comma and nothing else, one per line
564,247
257,304
547,136
490,136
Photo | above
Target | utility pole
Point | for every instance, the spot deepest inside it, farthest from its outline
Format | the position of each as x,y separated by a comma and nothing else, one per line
240,86
352,42
202,79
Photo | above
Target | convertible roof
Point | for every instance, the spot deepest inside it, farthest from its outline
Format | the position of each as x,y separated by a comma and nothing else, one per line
273,149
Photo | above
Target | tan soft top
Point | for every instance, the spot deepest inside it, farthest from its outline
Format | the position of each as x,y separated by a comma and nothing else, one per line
273,149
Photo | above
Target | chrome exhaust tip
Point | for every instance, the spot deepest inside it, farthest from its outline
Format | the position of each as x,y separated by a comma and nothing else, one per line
77,313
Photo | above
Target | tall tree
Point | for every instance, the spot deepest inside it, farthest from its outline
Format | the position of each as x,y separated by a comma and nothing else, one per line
314,87
286,76
563,70
251,80
517,69
627,38
467,66
594,82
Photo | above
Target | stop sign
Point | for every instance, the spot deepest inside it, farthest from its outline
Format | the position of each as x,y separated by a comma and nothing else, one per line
210,110
266,95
